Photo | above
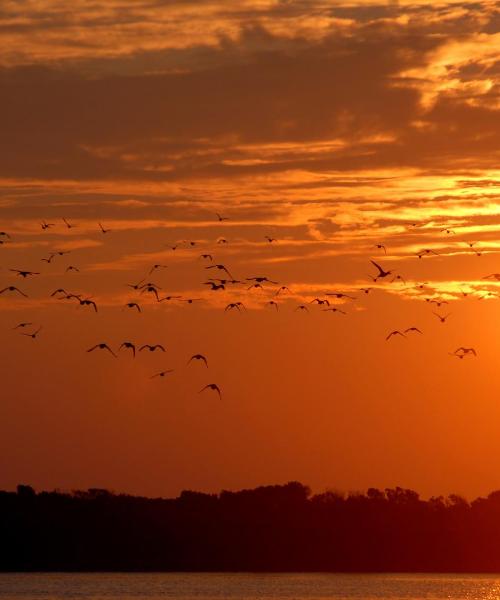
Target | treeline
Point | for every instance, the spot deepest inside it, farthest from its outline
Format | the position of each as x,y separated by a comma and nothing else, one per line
272,528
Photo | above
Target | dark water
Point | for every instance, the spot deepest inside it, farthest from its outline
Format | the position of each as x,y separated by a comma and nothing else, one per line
202,586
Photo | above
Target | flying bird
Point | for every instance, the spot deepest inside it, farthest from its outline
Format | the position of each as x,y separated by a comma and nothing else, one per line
220,218
198,357
272,304
152,347
72,268
381,247
234,305
156,267
103,230
128,346
220,268
87,302
441,317
34,334
133,305
102,346
207,256
24,274
394,333
334,309
12,288
412,329
381,272
162,373
19,325
211,386
45,225
270,239
282,289
68,225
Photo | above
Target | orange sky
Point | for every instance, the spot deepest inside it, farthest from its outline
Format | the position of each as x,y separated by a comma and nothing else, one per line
330,126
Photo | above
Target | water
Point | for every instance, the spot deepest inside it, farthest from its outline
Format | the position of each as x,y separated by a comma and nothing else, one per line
215,586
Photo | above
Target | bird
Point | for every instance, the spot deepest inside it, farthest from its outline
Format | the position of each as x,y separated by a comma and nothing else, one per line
220,268
426,252
24,274
398,278
207,256
394,333
340,295
461,352
128,345
72,268
60,291
272,304
381,272
102,346
222,241
412,329
150,289
220,218
442,318
261,280
495,276
87,302
68,225
334,309
169,298
302,307
135,286
365,290
215,286
447,231
152,347
12,288
156,267
198,357
4,234
255,285
34,334
211,386
19,325
234,305
319,301
162,373
381,247
270,239
282,289
46,225
103,230
133,305
189,300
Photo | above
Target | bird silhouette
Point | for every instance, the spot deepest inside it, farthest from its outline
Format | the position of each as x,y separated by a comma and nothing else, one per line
103,230
68,225
46,225
87,302
394,333
198,357
261,280
207,256
270,239
220,218
20,325
215,286
128,346
272,304
334,309
211,386
133,305
156,267
24,274
302,307
412,329
152,347
233,306
72,268
162,373
381,272
282,289
381,247
13,288
441,317
102,346
220,268
34,334
320,302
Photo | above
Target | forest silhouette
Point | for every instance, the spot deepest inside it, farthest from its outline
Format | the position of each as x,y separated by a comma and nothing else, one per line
271,528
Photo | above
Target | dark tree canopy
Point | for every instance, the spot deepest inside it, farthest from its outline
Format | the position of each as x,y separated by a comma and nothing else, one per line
271,528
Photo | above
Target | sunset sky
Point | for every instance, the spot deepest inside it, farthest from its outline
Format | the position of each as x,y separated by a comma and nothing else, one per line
331,126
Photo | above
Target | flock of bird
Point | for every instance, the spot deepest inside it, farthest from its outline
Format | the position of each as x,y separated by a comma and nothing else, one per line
146,287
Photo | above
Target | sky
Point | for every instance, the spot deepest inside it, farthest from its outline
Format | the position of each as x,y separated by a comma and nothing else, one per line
346,132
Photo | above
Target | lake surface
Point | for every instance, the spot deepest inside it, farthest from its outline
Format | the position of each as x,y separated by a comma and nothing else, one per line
214,586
